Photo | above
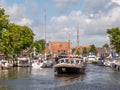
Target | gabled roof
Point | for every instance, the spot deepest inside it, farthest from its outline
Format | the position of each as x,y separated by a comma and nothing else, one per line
102,50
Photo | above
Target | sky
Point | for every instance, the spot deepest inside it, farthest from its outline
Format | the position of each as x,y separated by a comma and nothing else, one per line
64,17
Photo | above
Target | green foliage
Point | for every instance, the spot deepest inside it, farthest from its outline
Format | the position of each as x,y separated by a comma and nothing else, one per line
114,35
13,38
93,49
39,45
77,52
106,46
3,21
84,51
16,39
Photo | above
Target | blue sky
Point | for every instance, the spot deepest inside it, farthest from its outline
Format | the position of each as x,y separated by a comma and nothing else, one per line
50,5
64,17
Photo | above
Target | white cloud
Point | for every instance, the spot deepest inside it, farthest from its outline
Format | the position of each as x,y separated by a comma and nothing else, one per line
92,26
21,13
65,1
98,6
16,12
62,4
93,20
25,21
61,19
116,1
2,3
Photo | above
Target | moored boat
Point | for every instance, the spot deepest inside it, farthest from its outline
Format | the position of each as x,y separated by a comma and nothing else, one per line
92,59
70,66
47,64
4,64
24,62
37,64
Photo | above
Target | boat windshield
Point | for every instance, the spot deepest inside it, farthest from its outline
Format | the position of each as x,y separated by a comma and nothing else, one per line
77,61
62,61
67,61
72,61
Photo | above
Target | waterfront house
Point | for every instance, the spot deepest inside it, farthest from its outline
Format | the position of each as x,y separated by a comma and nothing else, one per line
57,48
102,51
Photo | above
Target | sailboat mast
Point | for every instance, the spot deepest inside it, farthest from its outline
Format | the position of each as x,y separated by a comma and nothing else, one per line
45,23
45,29
77,36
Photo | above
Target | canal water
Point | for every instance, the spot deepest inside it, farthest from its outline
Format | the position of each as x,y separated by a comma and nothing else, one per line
26,78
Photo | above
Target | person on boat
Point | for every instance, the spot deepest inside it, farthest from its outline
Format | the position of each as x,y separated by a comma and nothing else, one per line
56,60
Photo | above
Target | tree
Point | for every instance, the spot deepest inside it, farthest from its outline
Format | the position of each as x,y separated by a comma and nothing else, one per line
13,38
84,51
39,45
114,35
77,52
16,39
3,21
106,46
93,49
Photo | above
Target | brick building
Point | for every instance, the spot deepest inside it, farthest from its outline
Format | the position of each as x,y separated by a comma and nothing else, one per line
56,48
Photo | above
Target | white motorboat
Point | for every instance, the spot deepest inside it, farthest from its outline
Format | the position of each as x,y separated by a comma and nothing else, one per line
47,64
37,64
91,58
24,62
4,64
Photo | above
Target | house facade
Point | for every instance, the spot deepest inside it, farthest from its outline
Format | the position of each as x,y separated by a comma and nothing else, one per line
57,48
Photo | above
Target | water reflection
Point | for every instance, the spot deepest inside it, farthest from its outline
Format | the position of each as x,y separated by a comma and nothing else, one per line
64,79
15,73
47,77
3,74
95,78
42,72
5,87
20,77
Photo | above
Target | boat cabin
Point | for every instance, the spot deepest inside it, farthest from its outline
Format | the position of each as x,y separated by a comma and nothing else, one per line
70,66
24,62
70,61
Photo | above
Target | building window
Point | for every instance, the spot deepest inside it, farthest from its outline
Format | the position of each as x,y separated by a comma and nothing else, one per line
60,45
66,46
58,50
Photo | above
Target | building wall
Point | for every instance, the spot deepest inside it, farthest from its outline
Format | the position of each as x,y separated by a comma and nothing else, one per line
55,48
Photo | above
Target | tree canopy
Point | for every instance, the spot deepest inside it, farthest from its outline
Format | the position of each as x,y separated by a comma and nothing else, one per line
16,39
93,49
77,52
106,46
84,51
3,21
13,38
39,45
114,35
